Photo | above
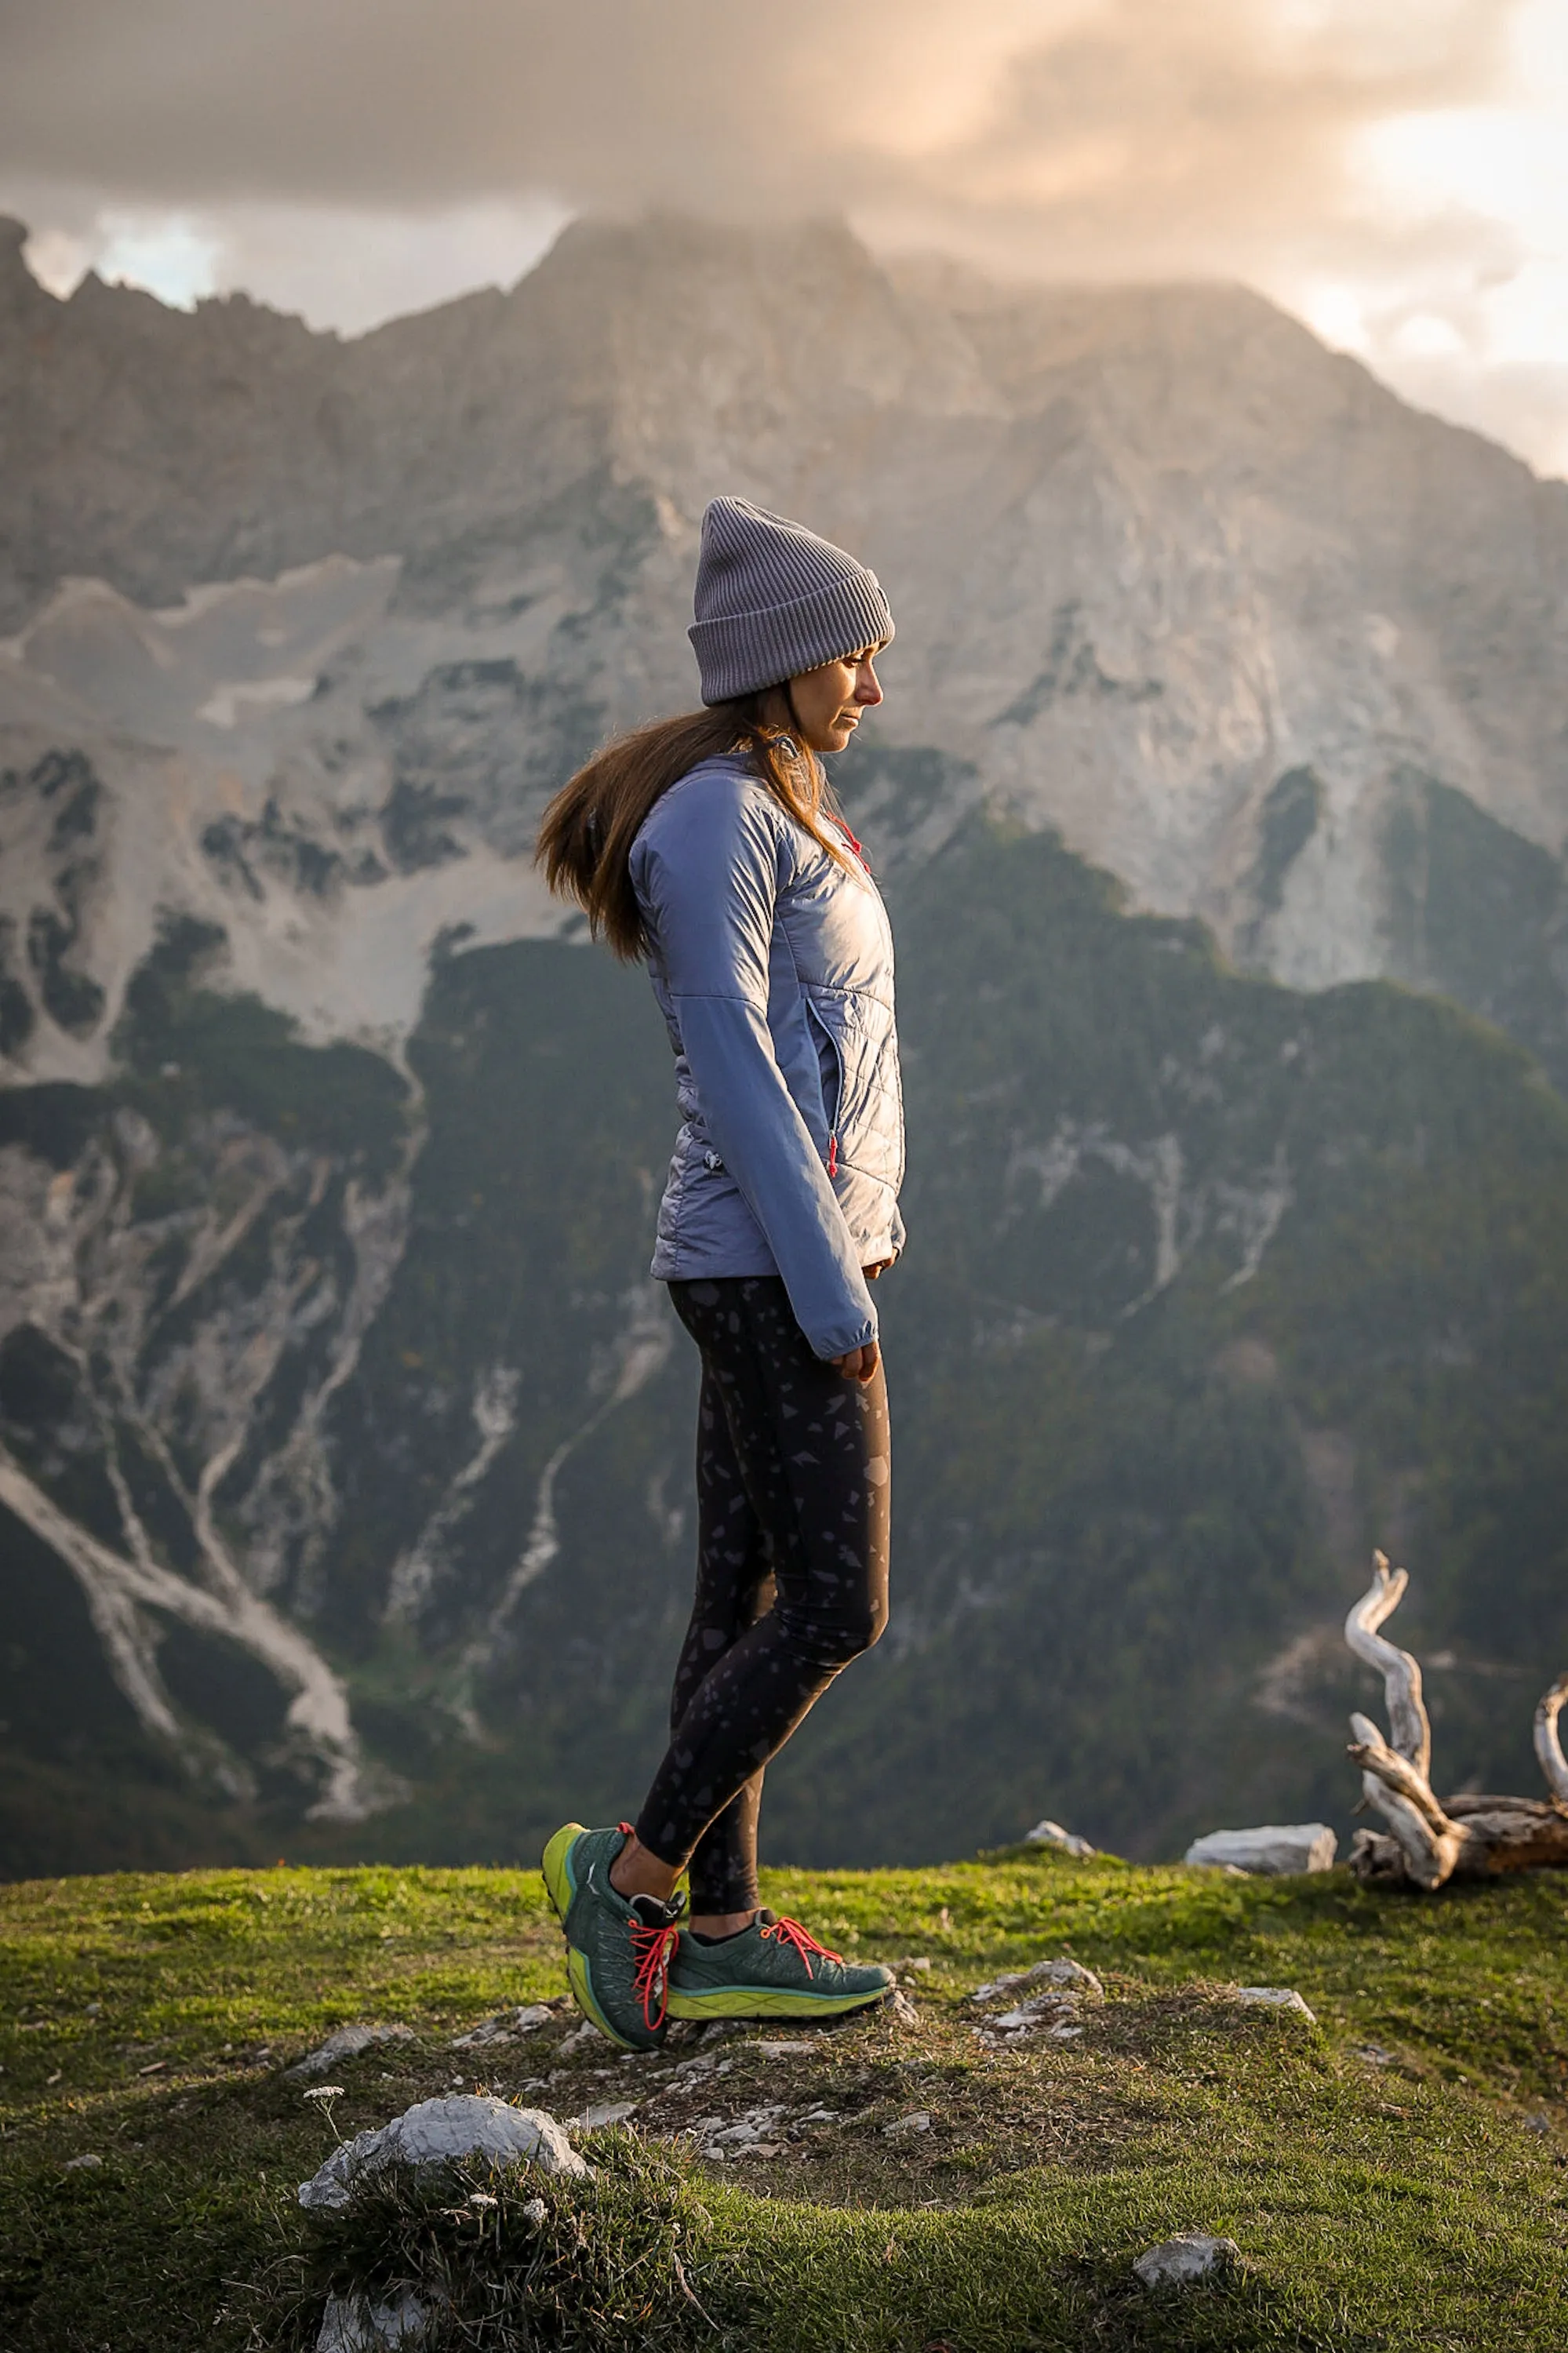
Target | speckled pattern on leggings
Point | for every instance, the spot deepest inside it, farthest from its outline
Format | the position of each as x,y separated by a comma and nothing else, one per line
792,1517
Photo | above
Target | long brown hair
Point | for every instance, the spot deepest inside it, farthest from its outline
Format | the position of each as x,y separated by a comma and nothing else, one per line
587,832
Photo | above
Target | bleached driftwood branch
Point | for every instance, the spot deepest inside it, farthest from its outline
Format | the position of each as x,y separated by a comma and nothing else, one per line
1430,1841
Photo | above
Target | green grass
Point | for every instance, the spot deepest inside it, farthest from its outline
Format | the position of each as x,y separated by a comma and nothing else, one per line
1377,2172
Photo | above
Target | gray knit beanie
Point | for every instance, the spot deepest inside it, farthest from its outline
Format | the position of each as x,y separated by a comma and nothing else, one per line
772,600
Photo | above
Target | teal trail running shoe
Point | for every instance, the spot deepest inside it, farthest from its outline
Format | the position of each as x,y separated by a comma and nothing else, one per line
618,1950
774,1969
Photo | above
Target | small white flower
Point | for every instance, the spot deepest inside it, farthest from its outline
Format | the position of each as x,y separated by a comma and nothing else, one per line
324,2092
480,2198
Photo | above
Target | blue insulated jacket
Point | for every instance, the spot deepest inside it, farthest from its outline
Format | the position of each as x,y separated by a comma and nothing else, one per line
773,968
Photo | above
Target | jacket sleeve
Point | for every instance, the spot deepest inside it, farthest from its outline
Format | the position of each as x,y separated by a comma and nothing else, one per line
708,878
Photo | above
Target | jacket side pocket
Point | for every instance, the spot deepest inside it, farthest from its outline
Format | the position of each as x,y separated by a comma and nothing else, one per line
833,1095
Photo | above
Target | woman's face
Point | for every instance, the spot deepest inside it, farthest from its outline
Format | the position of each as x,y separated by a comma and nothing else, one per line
828,701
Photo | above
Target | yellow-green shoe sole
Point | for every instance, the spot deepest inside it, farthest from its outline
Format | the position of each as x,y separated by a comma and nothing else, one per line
762,2001
580,1977
557,1868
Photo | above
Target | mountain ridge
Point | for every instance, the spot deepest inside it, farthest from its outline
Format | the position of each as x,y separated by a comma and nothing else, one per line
1170,577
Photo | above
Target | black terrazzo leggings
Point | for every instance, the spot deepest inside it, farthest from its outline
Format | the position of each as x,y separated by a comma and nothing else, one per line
792,1517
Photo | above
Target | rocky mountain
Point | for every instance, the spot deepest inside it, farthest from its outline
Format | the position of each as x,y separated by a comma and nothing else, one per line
342,1437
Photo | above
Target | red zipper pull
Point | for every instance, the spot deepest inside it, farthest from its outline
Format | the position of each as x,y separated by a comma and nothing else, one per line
832,1156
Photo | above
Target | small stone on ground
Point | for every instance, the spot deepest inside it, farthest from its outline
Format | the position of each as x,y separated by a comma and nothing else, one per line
506,2027
1065,1842
1184,2259
352,2324
347,2043
1284,1997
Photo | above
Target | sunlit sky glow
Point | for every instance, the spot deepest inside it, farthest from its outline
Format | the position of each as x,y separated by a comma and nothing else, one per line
1395,172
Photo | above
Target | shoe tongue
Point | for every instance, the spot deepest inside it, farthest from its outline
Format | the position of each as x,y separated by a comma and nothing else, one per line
654,1915
765,1920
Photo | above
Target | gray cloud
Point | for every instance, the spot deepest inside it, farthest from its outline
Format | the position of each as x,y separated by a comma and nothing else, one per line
1160,119
1091,138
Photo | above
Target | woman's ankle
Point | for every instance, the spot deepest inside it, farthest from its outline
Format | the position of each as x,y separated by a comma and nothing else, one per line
636,1872
714,1925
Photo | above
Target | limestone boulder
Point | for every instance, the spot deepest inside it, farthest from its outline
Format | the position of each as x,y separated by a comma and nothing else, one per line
438,2133
1185,2260
1271,1851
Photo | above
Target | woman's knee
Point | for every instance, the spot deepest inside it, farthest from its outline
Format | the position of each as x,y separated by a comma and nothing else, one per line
832,1642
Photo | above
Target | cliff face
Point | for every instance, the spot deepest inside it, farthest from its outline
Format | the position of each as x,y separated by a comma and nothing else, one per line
1169,576
342,1437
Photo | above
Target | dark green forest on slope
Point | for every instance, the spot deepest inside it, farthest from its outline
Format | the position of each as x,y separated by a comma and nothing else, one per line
1210,1286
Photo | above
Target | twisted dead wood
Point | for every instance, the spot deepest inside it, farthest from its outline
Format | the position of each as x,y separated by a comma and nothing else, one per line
1430,1841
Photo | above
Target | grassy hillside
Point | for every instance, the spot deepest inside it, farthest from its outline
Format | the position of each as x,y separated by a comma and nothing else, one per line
1392,2175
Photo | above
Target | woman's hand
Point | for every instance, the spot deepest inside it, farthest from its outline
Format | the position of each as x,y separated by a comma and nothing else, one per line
861,1362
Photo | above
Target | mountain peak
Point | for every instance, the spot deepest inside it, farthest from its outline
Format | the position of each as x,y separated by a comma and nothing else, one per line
19,290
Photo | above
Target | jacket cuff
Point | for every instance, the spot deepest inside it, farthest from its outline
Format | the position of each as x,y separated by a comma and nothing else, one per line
838,1339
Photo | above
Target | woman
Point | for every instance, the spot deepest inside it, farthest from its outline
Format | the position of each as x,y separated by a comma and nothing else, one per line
708,844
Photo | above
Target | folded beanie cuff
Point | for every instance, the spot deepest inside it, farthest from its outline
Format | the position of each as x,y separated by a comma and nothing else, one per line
740,653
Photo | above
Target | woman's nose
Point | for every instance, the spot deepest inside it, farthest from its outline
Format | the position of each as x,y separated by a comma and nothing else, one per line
867,690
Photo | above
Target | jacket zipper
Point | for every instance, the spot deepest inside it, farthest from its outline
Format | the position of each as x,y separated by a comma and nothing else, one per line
815,1020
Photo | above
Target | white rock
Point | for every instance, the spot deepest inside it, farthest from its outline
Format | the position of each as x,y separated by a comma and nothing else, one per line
438,2132
919,2120
1271,1852
352,2324
1060,1981
1080,1983
901,2010
756,2124
690,2073
504,2027
347,2043
1274,1997
1189,2256
581,2036
1026,2014
88,2164
604,2112
998,1984
1053,1834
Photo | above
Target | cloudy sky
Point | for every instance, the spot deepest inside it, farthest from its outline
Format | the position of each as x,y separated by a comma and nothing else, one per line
1394,171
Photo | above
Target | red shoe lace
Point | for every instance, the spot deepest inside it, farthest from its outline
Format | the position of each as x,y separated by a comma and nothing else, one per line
790,1932
651,1950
